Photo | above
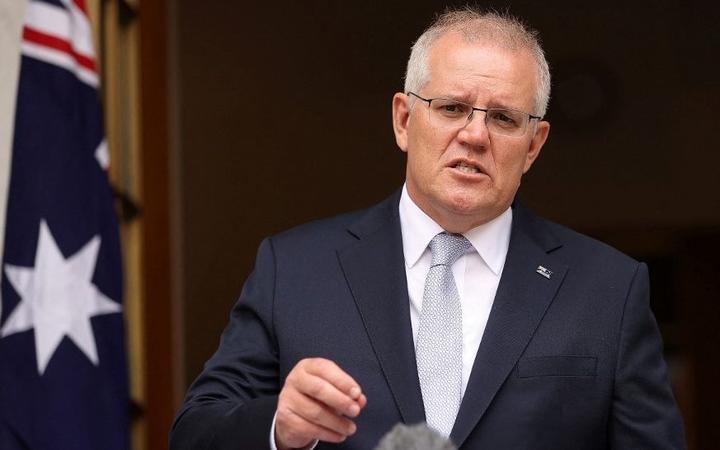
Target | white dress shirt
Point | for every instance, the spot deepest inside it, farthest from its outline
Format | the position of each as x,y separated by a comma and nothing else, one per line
477,274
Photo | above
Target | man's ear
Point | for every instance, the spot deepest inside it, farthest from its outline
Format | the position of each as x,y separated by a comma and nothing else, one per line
538,140
401,117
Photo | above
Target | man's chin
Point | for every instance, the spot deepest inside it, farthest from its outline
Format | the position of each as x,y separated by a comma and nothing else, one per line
460,216
477,208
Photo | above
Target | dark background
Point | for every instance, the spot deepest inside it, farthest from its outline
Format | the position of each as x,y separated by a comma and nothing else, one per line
283,116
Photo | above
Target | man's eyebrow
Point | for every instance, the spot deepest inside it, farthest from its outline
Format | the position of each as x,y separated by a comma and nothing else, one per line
462,98
499,104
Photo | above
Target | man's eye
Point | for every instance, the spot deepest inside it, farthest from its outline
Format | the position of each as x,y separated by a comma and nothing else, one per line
451,109
504,118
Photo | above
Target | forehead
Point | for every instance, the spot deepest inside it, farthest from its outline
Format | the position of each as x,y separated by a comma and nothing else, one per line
481,71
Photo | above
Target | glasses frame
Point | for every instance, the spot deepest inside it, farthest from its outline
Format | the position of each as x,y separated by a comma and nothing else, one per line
474,108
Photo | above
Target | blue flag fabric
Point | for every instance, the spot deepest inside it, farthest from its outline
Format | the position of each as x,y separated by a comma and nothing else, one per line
63,373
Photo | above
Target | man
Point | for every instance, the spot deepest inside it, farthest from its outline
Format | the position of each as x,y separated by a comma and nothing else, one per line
446,303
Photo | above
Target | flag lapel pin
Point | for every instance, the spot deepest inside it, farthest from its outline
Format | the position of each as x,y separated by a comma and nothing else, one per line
547,273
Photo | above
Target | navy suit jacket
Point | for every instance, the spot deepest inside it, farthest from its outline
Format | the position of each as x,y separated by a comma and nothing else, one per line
569,361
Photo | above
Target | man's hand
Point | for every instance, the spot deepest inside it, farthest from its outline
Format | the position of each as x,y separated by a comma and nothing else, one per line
315,403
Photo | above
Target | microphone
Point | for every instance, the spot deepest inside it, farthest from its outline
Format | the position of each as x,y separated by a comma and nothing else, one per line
414,437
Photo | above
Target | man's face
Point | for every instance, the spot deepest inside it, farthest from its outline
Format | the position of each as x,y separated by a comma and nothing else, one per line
485,76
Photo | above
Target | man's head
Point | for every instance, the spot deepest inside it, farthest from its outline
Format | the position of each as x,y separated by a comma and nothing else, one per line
464,173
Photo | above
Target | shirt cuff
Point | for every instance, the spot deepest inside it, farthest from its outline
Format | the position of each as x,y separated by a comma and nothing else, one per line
310,446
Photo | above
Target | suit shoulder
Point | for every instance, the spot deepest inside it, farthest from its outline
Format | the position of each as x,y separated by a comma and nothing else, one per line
341,228
327,228
337,231
576,245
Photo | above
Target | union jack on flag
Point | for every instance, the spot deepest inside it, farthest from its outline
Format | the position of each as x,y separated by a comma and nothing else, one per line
63,374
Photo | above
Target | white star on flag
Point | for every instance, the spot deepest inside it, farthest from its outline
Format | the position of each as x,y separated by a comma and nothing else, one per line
58,298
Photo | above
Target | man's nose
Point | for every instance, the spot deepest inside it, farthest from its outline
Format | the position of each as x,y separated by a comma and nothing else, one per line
475,131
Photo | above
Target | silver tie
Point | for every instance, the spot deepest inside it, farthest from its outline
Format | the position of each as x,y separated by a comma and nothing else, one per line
439,339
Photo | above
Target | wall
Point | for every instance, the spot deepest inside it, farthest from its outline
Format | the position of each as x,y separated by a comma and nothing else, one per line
284,117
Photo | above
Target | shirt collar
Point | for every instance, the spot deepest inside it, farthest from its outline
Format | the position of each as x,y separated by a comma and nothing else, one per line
490,240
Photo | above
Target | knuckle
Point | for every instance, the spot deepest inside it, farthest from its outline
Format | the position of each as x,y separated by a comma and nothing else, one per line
291,378
301,366
315,414
316,389
305,362
313,364
330,436
285,397
347,426
322,365
294,428
347,403
284,416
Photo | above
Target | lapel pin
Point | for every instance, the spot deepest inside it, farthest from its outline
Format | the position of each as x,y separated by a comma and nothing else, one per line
547,273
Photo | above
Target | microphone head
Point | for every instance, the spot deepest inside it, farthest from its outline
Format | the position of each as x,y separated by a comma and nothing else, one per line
414,437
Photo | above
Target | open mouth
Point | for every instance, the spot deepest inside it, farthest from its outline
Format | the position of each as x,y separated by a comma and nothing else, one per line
466,167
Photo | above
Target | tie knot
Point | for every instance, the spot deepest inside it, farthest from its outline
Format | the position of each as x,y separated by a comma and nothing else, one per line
447,248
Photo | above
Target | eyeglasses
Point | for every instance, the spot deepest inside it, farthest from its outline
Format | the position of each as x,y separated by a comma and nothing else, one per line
449,114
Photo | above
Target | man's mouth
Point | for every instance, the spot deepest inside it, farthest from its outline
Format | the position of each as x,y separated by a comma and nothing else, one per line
466,167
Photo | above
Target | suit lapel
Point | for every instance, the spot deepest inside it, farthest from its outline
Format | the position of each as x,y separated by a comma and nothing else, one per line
374,270
522,298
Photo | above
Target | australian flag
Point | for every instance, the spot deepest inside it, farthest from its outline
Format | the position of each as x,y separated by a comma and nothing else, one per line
63,375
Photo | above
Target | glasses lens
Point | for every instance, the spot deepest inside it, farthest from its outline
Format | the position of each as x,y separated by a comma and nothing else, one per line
507,122
450,114
447,113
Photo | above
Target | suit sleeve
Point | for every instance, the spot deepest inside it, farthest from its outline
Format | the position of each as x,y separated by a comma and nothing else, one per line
644,412
231,405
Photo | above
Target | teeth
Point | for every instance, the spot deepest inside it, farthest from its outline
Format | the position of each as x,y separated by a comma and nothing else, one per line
462,167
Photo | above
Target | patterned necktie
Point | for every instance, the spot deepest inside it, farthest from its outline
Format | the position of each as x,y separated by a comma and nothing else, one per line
439,339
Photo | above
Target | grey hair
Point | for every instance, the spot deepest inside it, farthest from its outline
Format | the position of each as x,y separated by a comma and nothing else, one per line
498,28
414,437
